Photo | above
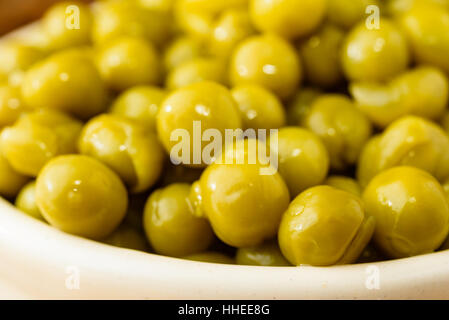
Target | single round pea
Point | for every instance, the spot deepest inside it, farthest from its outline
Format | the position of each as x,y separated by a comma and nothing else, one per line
67,81
324,226
341,126
180,50
374,54
67,24
303,158
80,195
126,147
129,61
240,194
267,254
228,31
11,182
38,137
141,104
188,110
259,108
26,201
269,61
411,211
171,226
344,183
196,70
288,18
320,55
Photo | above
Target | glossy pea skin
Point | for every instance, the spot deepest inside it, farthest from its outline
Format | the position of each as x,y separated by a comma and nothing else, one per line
235,196
16,56
409,141
11,105
115,19
80,195
267,254
228,31
312,232
320,55
37,137
423,91
303,159
67,81
426,27
299,106
196,70
129,61
126,147
259,108
170,224
141,104
341,126
211,257
216,110
67,24
287,18
347,13
11,182
269,61
376,54
344,183
180,50
26,201
410,209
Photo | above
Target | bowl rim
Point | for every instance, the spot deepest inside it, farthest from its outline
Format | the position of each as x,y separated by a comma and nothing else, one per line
42,262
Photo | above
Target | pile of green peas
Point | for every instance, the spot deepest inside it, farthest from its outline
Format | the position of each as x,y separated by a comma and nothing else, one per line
357,92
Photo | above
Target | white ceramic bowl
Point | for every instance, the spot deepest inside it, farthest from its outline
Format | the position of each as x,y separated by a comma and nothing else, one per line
40,262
